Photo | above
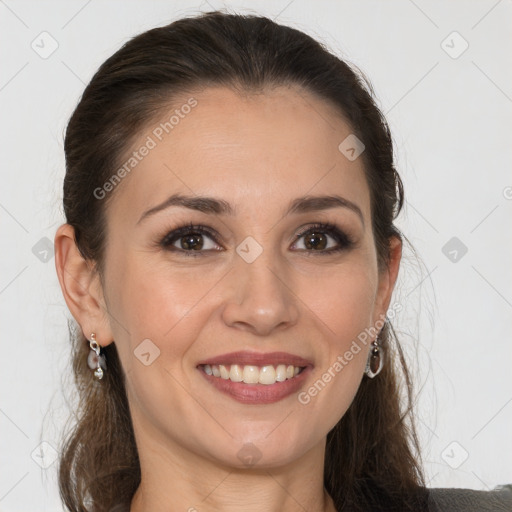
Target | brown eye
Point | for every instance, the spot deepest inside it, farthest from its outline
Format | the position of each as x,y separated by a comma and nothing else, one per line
324,239
189,239
316,240
193,241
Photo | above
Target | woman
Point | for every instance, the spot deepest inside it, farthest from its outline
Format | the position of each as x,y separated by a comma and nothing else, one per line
229,257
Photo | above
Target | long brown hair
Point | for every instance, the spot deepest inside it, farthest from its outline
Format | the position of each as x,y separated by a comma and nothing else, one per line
372,457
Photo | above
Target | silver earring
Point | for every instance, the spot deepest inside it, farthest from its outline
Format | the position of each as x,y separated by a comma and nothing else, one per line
96,360
375,360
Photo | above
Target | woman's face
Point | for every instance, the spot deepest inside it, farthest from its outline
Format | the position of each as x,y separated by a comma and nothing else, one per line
247,290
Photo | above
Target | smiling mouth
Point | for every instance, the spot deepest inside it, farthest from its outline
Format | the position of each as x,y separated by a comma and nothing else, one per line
250,374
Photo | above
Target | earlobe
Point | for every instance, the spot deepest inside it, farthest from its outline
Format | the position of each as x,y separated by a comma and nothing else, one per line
80,287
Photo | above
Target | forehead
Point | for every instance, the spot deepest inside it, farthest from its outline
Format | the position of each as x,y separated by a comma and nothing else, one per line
257,151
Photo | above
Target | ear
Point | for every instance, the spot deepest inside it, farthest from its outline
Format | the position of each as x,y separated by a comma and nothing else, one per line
81,287
387,279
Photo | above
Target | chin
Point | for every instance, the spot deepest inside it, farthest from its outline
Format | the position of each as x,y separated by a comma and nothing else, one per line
261,451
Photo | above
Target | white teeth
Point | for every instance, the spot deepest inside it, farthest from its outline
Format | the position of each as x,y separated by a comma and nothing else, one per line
235,373
251,374
281,373
267,375
223,372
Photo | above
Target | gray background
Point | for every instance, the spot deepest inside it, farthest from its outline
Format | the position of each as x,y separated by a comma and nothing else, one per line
449,108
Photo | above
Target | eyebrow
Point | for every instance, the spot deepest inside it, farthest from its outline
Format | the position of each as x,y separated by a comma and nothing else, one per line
212,205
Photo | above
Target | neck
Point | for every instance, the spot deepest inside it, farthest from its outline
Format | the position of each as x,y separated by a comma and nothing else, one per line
174,478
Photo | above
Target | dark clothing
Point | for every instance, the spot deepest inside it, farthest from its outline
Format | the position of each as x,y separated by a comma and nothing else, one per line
469,500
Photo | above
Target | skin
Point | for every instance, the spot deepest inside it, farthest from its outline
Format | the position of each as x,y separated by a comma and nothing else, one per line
258,152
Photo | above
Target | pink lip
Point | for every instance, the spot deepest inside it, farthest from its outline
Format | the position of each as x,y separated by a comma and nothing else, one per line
258,393
257,359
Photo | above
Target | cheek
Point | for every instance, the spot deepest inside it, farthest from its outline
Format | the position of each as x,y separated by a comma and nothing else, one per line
342,299
157,313
341,305
159,302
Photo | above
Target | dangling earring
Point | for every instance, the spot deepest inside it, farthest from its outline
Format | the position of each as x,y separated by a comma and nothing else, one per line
375,360
95,360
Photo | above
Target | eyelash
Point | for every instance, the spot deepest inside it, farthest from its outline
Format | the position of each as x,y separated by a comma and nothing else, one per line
345,242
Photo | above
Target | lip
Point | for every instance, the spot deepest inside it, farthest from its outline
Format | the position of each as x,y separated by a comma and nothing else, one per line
258,359
258,393
255,394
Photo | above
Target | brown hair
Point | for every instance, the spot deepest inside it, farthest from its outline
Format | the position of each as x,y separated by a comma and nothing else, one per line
372,456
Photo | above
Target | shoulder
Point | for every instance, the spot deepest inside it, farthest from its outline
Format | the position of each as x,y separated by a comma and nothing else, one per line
469,500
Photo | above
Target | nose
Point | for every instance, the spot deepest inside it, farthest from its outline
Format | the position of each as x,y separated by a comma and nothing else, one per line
262,298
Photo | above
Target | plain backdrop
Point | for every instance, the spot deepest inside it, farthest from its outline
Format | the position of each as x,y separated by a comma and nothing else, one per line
442,76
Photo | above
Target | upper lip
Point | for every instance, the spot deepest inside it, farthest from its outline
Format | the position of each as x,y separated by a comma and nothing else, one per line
257,359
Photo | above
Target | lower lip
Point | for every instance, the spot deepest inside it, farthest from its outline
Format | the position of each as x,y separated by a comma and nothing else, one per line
258,393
